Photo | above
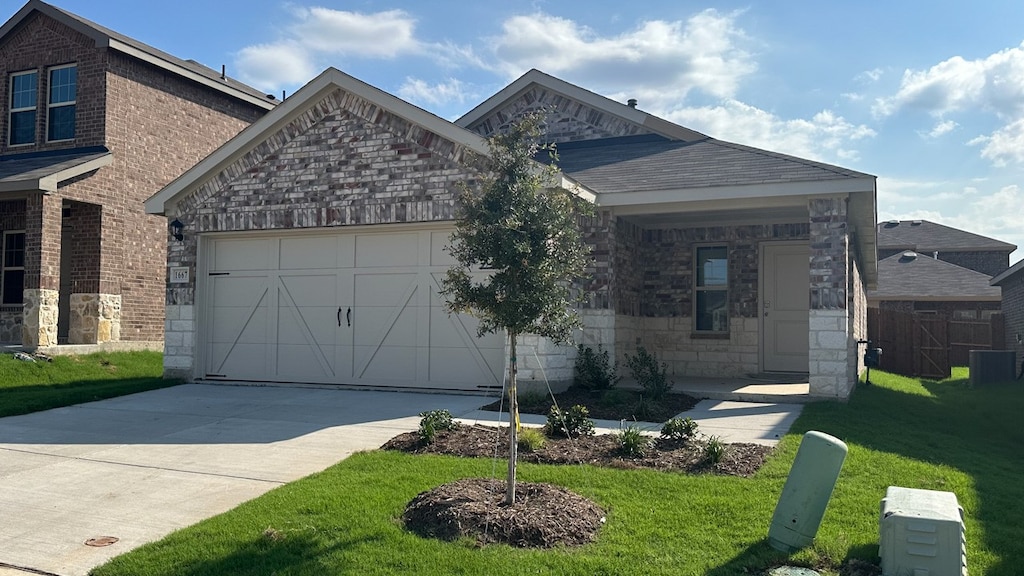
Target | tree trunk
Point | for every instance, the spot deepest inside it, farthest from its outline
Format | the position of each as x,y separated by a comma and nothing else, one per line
513,428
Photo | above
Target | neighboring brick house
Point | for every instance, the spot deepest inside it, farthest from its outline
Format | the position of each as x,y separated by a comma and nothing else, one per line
92,124
929,268
314,243
1011,281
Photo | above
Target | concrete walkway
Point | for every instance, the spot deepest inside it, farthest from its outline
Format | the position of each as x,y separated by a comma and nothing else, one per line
139,467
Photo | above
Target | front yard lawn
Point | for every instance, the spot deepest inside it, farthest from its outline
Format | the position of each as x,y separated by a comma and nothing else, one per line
903,432
32,386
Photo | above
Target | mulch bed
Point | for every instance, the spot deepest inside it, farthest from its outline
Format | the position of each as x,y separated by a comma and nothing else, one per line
478,441
543,515
614,404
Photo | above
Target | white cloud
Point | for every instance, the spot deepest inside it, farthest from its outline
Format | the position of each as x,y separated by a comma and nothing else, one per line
942,128
374,35
317,34
661,61
452,91
1004,146
272,66
823,136
869,76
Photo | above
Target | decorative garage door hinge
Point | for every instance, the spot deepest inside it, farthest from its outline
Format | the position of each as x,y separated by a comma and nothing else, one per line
216,376
220,273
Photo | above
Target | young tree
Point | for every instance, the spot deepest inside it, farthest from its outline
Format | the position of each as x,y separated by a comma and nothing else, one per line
522,230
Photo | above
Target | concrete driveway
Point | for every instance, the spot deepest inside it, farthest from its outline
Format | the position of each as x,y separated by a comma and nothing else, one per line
139,467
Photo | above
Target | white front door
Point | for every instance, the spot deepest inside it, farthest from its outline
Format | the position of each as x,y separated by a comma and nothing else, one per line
340,308
785,296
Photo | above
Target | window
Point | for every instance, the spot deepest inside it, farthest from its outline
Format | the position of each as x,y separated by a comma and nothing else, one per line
23,108
60,108
711,289
12,273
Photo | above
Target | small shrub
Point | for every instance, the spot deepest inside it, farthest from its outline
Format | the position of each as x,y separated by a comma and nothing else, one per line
434,421
714,450
679,429
644,408
633,443
651,375
614,397
572,422
594,370
531,399
531,439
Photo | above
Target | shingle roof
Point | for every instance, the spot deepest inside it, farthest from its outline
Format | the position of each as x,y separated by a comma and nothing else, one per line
925,236
1004,276
45,170
919,277
651,162
138,49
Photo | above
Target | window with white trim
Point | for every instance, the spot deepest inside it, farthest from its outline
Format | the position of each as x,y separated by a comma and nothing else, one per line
12,271
60,105
711,289
22,120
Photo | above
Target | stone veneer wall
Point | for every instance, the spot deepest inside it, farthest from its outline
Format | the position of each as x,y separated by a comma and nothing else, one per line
830,334
673,341
10,324
858,309
40,319
179,341
95,318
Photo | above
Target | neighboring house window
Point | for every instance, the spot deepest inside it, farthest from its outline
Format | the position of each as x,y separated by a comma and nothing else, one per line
711,298
12,274
60,107
23,108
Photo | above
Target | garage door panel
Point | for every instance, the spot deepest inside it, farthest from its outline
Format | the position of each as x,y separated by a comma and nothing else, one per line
384,250
240,324
301,363
376,325
241,254
309,253
274,314
384,289
463,366
386,363
239,360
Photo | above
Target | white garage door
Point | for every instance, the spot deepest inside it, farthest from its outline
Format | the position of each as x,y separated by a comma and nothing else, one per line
339,308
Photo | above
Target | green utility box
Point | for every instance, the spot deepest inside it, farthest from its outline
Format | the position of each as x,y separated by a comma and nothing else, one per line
806,492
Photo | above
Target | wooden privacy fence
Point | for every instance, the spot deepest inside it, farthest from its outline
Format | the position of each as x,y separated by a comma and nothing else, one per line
927,345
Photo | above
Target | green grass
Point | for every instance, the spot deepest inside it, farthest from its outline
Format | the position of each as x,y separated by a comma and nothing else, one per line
943,436
29,387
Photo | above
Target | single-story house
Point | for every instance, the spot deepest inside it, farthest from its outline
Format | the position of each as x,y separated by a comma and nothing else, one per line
923,284
312,246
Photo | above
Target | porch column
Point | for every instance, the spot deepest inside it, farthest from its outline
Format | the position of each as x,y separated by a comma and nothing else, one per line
42,270
829,322
94,316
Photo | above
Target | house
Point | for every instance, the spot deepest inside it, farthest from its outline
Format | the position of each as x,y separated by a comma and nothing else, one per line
313,246
1011,281
929,268
92,124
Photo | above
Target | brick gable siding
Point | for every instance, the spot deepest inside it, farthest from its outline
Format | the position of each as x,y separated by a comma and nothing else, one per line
1013,314
567,119
343,161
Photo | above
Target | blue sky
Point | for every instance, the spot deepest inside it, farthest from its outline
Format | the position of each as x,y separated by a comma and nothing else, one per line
928,96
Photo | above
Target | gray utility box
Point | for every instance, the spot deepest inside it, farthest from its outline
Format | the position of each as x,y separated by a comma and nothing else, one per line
922,534
992,366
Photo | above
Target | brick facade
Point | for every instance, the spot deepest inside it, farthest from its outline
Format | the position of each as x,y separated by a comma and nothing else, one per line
1013,313
156,124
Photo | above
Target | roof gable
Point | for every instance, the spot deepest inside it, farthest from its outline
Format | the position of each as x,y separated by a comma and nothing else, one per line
575,113
295,115
925,236
106,38
1002,279
910,276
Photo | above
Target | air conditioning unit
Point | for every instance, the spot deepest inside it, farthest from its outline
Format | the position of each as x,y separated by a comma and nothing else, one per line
922,533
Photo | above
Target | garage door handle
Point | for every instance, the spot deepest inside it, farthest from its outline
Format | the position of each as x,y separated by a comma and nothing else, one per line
348,317
339,316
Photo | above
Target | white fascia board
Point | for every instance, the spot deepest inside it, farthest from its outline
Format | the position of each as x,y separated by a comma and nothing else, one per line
264,103
577,189
749,191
